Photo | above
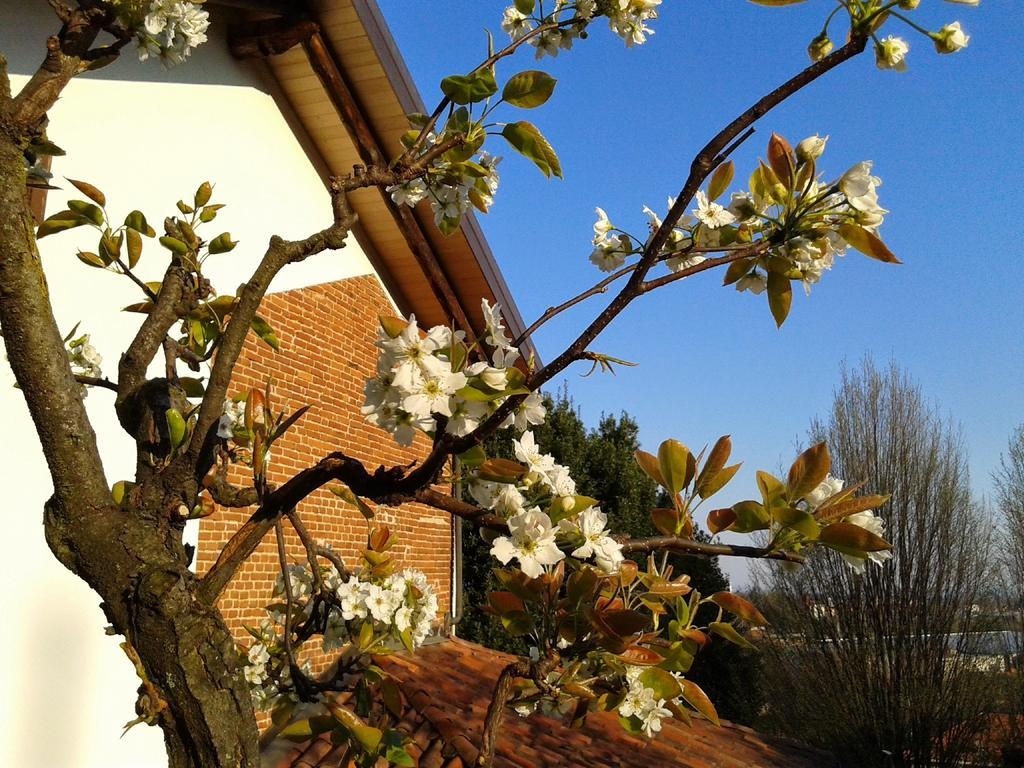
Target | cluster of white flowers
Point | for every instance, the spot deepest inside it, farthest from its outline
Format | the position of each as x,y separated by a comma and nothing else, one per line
267,679
402,603
642,703
810,251
626,18
534,540
84,359
170,30
423,377
866,520
451,187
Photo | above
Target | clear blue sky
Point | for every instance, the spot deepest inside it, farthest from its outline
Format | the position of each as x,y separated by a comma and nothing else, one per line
946,137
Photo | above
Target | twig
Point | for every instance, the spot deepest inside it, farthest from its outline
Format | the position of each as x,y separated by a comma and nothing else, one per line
94,381
309,545
690,547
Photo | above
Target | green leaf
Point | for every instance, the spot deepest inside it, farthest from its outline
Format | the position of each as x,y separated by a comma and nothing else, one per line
529,89
304,730
47,148
780,297
137,220
526,139
664,685
673,460
134,247
721,179
59,222
263,329
90,191
517,623
89,211
174,245
525,7
474,457
203,194
467,89
222,243
398,756
800,521
121,487
728,631
92,259
750,516
176,428
719,481
193,387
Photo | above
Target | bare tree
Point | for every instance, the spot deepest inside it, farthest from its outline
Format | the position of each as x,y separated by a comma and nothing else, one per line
1008,480
872,666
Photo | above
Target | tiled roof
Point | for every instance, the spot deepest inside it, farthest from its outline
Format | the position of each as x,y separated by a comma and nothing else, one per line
447,688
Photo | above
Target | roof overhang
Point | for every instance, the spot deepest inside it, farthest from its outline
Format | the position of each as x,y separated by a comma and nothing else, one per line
339,69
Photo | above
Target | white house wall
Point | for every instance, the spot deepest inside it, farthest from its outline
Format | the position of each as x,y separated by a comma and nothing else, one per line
147,138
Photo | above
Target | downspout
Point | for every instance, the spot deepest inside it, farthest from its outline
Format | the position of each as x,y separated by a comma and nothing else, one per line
456,603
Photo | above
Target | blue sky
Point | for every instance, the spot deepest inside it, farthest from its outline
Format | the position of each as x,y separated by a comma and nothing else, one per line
945,137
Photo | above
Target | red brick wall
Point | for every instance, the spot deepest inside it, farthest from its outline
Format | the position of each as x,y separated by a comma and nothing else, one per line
327,353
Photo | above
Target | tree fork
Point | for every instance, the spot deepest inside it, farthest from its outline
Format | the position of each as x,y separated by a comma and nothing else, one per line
132,558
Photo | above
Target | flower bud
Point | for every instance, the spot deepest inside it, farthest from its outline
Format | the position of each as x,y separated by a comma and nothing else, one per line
811,148
820,47
909,5
891,53
950,38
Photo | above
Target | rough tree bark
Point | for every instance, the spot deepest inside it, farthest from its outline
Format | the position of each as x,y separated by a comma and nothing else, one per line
131,555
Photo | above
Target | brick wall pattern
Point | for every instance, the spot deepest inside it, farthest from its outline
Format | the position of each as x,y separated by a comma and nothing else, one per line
327,335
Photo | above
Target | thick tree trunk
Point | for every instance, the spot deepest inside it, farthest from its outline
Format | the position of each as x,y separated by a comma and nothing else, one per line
132,554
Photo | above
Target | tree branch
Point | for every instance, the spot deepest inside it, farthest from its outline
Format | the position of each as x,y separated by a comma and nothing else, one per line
690,547
746,253
503,691
131,370
279,254
65,52
710,157
484,519
228,495
337,466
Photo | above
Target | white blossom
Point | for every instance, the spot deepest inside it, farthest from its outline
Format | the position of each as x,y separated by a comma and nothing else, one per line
531,541
891,53
591,525
171,30
711,214
869,522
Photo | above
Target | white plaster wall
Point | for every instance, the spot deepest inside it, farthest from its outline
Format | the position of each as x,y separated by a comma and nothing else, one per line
147,138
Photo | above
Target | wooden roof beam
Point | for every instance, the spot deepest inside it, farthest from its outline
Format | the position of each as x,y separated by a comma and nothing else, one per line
371,151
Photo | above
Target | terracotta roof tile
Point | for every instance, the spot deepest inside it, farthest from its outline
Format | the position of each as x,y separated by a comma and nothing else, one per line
447,687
